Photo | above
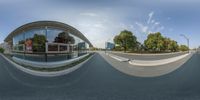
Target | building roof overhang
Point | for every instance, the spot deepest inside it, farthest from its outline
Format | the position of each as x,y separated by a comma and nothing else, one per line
44,24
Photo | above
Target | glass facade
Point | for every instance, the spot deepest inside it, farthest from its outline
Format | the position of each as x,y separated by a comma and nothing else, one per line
48,45
18,43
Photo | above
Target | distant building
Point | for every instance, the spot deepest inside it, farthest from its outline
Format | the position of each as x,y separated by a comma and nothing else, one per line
6,47
109,46
198,50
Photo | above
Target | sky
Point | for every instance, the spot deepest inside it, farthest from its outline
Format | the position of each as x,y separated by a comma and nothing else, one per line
101,20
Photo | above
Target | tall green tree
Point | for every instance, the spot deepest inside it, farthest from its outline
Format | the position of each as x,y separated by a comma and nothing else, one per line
154,42
127,40
170,45
183,48
39,43
2,50
174,46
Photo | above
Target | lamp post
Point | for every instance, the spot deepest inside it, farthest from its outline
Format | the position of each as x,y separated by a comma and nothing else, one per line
188,41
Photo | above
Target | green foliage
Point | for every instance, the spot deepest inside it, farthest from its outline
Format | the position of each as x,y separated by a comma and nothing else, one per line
154,42
174,46
2,50
64,37
39,43
170,45
157,43
126,40
118,48
183,48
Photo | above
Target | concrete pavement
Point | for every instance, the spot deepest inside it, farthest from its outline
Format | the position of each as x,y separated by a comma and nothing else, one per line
98,80
121,59
148,56
143,69
158,62
47,74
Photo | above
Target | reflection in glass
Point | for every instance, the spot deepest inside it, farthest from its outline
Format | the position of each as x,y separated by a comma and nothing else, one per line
52,47
18,43
60,45
63,47
35,40
35,45
64,37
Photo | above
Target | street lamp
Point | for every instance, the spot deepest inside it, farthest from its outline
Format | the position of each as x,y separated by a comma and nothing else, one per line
188,41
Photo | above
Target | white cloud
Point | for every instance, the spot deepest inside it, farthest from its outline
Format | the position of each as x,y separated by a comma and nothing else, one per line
150,17
160,28
157,23
152,21
150,26
100,29
89,14
143,28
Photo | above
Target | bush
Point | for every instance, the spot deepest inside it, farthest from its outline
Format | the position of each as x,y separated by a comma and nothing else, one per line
2,50
183,48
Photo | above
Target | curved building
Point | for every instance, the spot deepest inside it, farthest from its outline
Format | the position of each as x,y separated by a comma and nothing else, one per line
47,41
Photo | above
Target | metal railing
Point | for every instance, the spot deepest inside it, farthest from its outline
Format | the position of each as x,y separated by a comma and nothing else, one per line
16,48
67,48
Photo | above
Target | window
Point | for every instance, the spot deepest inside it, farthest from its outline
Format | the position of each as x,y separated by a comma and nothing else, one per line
48,44
59,41
35,45
18,43
35,40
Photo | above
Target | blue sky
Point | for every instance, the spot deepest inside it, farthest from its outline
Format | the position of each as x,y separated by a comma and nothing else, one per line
101,20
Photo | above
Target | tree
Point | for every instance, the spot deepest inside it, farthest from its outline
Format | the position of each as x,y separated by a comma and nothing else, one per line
2,50
174,46
39,43
183,48
64,37
167,44
155,42
170,45
126,40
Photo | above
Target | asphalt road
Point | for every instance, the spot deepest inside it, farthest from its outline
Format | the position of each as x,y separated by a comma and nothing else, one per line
148,57
98,80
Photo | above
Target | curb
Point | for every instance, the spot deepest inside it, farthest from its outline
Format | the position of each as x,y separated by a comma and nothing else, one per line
47,64
46,74
155,54
121,59
147,72
157,62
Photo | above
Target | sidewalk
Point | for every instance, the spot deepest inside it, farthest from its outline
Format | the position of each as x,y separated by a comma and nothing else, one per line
47,74
144,71
146,54
158,62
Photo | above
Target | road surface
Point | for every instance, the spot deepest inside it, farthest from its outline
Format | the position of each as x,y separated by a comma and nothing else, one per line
98,80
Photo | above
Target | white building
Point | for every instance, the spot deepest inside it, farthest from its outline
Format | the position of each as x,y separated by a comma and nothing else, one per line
6,47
